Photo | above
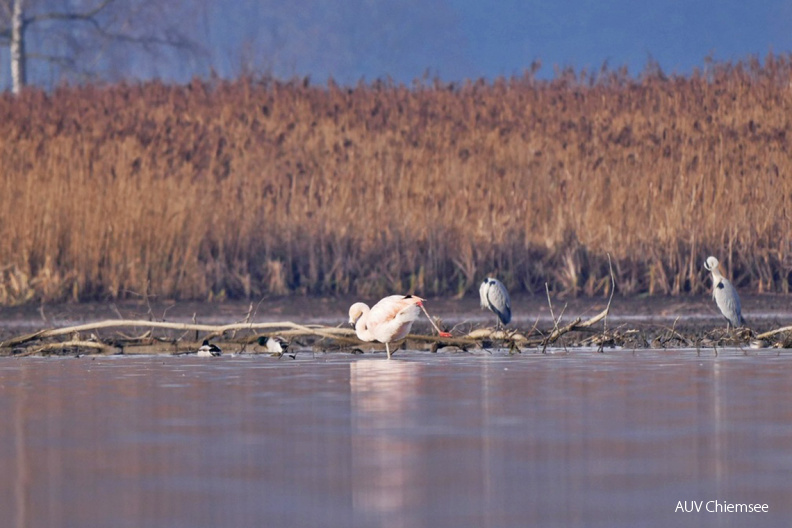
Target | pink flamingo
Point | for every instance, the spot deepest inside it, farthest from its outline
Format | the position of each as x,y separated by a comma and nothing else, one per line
389,320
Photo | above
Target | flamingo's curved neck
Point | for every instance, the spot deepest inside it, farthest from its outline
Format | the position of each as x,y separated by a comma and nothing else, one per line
361,326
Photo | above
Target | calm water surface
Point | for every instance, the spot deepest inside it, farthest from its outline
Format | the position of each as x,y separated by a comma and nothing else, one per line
424,440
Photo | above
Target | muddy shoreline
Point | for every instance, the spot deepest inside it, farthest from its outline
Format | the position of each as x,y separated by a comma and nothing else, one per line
638,322
757,309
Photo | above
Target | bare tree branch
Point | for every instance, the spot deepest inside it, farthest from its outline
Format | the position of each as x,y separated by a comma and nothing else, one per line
177,42
54,59
86,15
89,41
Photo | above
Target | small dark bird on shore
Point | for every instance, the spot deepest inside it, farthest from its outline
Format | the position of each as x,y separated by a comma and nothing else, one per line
274,345
208,349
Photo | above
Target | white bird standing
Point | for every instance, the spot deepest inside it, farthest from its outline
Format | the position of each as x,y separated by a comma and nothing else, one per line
725,295
389,320
495,297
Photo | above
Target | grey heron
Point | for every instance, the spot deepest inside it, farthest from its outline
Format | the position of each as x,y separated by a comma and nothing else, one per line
495,297
725,294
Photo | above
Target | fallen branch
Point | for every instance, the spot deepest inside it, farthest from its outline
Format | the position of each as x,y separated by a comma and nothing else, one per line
211,329
576,324
134,336
771,333
105,349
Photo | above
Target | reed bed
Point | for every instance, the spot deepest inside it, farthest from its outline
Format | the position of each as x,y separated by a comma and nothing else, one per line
253,187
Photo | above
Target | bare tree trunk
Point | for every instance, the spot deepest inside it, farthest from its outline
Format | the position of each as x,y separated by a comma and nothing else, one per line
75,29
18,59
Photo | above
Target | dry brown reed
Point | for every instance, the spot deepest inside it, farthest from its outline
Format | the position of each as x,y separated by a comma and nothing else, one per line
252,187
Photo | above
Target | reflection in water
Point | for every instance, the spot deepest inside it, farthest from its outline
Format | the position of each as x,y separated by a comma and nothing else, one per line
22,480
719,435
434,441
404,446
384,398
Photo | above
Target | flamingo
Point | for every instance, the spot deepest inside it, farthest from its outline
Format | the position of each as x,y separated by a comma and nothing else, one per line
389,320
725,294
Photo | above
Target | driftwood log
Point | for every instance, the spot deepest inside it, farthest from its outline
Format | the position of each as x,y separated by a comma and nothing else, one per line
330,338
46,341
181,338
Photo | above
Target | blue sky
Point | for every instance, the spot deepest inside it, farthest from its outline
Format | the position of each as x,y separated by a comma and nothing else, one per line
458,39
405,40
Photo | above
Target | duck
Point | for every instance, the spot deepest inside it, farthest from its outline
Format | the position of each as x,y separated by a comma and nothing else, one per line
208,349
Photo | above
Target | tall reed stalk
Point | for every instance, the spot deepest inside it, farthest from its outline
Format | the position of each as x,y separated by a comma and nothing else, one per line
255,186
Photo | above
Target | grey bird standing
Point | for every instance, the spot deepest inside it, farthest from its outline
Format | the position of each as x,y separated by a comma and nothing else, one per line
495,298
725,295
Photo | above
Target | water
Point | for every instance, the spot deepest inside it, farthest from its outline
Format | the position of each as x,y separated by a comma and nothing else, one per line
424,440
